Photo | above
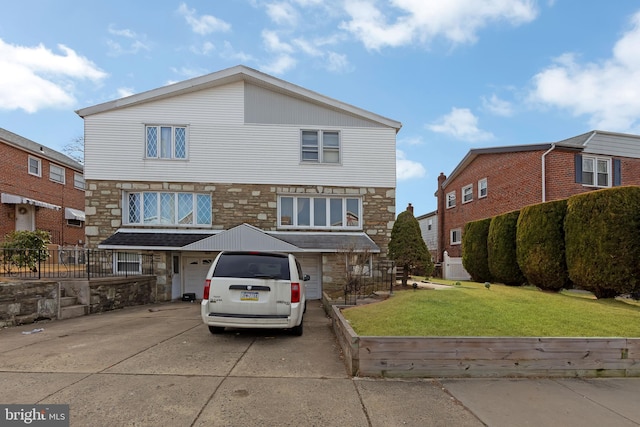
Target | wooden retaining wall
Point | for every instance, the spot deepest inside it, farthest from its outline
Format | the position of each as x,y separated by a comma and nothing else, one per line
485,356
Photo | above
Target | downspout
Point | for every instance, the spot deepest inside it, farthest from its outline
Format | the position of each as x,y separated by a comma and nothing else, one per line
544,172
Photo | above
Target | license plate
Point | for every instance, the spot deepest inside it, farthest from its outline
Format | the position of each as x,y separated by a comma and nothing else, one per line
248,296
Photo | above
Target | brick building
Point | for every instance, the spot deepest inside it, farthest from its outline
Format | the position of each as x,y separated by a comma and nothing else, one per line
40,189
492,181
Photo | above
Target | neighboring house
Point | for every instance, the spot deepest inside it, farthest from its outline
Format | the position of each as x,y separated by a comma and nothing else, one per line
40,189
429,230
492,181
238,160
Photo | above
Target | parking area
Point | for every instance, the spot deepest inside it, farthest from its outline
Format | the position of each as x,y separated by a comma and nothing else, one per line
159,365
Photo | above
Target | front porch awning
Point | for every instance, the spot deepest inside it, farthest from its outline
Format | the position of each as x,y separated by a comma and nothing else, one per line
243,237
12,199
70,213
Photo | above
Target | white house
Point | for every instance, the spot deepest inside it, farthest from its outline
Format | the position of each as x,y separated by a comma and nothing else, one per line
238,159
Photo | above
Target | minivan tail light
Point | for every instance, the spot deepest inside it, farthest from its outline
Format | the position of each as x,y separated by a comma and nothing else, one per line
207,285
295,292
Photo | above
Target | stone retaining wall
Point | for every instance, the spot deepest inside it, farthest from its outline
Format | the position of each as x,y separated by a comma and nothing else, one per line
117,292
27,301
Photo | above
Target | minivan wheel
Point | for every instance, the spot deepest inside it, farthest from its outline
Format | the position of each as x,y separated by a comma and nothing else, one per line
216,329
297,330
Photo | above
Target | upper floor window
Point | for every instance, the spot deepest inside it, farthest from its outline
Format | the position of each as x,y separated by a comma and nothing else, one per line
467,193
320,146
451,199
429,224
78,181
456,236
166,142
35,166
320,212
596,171
153,208
482,188
56,173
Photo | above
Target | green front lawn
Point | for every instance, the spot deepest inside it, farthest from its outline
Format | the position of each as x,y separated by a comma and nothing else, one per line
470,309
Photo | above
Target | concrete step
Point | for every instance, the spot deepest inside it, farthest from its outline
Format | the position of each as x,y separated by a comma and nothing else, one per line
72,311
68,301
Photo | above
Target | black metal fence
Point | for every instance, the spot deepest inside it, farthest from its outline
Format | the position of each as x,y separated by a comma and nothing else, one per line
364,281
72,262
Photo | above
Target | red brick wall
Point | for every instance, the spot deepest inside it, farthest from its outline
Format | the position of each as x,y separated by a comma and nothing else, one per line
15,179
514,180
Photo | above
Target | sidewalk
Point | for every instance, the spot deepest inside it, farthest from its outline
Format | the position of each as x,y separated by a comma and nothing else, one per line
162,367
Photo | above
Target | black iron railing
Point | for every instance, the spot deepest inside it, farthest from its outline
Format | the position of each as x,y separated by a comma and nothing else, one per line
365,281
72,262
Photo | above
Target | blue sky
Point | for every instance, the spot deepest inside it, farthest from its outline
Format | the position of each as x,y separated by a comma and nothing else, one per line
458,74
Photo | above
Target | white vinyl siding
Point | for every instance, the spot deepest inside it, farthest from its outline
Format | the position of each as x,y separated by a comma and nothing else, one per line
224,149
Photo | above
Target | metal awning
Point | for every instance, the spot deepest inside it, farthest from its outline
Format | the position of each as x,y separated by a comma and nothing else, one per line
19,200
70,213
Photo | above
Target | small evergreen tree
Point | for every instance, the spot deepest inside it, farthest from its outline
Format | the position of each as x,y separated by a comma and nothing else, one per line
475,257
407,248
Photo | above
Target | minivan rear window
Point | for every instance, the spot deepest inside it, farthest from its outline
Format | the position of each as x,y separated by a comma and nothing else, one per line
253,266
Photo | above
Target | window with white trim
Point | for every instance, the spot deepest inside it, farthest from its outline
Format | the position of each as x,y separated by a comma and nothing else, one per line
429,224
127,262
78,181
320,146
467,193
596,171
35,166
482,188
166,142
451,199
320,212
56,173
456,236
159,208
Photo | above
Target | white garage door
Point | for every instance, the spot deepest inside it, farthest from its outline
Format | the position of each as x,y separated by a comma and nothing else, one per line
311,265
195,271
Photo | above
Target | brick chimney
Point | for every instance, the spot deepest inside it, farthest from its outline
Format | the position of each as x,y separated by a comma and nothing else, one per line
410,208
441,210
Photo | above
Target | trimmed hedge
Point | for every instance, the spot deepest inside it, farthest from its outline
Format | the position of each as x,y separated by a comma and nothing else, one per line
540,246
602,238
501,249
474,253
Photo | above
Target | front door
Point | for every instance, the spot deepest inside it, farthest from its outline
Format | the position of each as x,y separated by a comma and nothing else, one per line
25,218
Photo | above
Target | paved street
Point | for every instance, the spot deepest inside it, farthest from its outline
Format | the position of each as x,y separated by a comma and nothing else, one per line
159,365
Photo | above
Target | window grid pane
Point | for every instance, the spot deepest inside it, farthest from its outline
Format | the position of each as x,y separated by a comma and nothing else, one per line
150,203
320,212
165,142
204,209
167,208
286,211
181,143
152,141
310,146
134,208
335,206
185,208
304,211
353,213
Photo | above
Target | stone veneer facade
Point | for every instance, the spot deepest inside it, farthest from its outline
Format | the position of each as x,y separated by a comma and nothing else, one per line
232,205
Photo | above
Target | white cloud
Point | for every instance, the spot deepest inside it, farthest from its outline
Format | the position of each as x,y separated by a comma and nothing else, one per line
280,65
125,91
407,169
607,92
135,42
273,43
461,124
421,21
229,52
204,24
336,62
34,78
204,49
282,13
497,106
414,140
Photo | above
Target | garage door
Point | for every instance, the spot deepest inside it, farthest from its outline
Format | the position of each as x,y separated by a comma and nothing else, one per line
311,265
195,271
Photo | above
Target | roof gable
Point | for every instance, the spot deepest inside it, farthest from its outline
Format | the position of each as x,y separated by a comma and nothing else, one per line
243,237
231,75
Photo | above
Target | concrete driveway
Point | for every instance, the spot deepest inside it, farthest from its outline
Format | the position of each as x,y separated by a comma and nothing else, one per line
159,365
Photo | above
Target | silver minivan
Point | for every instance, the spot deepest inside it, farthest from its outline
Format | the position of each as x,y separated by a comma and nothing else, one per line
254,290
